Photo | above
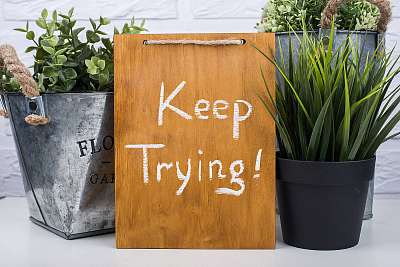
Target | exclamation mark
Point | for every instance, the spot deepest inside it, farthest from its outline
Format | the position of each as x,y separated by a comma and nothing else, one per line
258,164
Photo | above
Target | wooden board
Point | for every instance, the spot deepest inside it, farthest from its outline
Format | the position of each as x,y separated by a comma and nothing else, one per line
174,209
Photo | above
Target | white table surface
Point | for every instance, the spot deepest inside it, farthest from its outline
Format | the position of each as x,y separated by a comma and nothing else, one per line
23,243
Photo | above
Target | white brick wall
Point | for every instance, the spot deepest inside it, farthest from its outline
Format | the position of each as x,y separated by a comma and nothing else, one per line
163,16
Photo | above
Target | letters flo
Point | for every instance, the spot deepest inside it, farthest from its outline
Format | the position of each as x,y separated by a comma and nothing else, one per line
242,110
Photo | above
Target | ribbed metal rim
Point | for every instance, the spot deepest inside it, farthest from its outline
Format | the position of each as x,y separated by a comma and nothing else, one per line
337,31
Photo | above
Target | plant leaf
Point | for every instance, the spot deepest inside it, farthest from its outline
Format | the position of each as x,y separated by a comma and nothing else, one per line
30,35
49,50
44,13
41,23
70,74
346,121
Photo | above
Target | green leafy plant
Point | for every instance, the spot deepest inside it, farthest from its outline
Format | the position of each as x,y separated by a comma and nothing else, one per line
277,15
358,15
333,104
131,28
284,15
70,58
7,82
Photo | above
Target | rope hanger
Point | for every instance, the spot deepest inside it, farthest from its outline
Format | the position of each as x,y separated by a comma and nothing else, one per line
196,42
9,60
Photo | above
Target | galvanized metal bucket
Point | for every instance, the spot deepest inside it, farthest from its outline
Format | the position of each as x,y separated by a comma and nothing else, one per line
284,41
366,41
68,164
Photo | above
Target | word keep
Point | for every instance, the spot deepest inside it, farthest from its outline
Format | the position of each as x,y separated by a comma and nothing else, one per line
202,109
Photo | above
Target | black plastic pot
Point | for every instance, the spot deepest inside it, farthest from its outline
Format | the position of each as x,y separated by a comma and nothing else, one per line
322,203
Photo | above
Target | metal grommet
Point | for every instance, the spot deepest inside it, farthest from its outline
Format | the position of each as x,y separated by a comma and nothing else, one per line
34,105
325,40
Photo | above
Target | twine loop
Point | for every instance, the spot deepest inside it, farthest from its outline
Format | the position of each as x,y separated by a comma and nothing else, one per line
195,42
333,5
36,120
3,113
9,60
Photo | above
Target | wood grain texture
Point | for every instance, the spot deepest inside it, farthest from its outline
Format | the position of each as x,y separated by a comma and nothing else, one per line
152,215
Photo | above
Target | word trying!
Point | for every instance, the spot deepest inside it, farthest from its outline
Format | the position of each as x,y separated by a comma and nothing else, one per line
236,168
